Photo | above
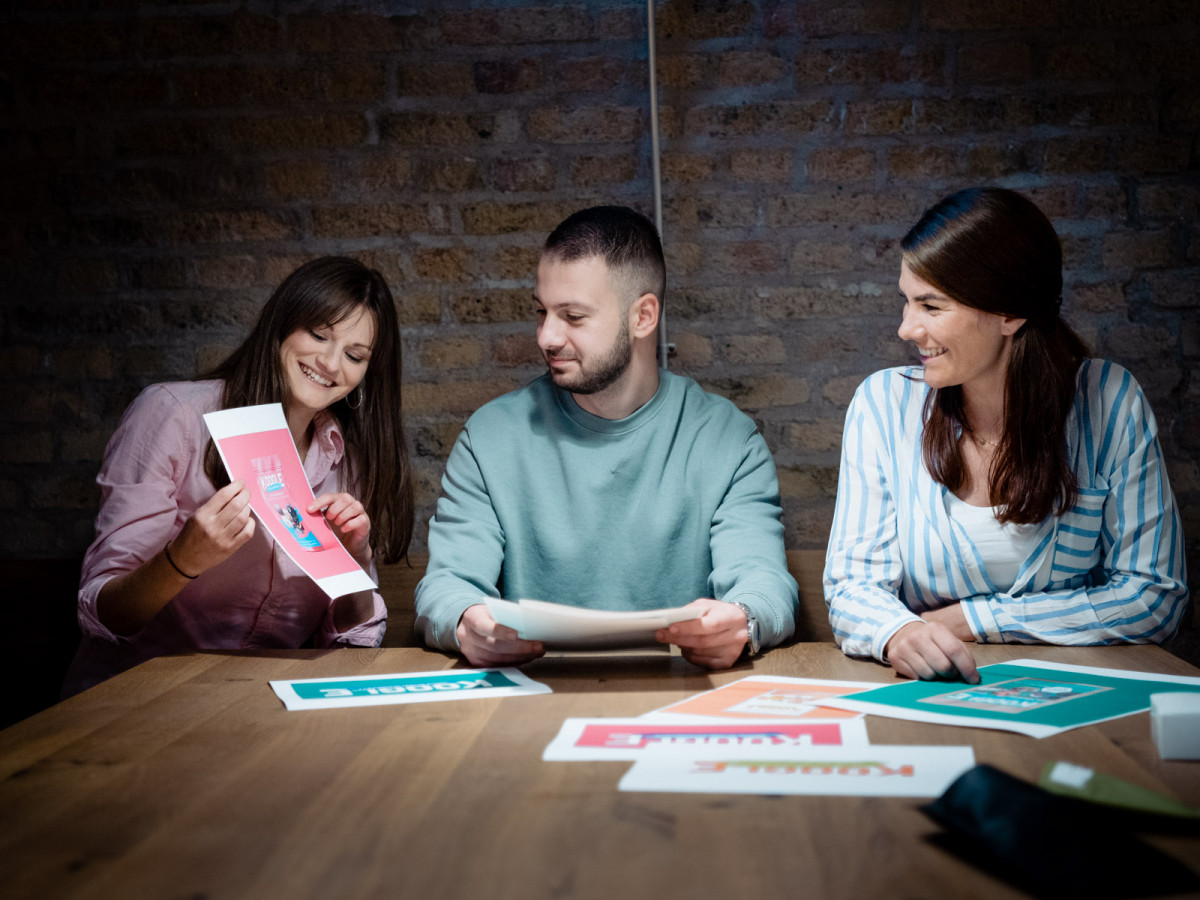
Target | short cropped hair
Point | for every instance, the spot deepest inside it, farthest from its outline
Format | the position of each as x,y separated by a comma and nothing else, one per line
625,239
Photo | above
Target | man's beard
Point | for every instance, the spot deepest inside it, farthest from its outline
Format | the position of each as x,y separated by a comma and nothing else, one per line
605,371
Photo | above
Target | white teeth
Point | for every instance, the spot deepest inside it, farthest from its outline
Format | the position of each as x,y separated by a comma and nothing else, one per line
930,354
313,376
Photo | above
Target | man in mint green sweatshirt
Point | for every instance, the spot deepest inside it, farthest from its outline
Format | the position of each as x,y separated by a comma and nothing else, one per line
608,483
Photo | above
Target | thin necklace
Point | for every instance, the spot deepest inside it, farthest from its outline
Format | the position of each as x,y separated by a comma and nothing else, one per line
982,442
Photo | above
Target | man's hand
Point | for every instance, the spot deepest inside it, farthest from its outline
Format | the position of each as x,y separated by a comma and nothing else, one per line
485,643
929,650
715,640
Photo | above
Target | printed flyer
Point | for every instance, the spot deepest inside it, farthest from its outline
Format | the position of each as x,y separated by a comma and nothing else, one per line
873,771
625,739
405,687
762,696
256,446
1026,696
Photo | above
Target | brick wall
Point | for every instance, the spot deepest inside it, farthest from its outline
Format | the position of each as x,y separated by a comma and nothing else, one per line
165,164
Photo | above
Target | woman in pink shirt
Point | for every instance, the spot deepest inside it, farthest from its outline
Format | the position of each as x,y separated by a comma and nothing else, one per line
178,562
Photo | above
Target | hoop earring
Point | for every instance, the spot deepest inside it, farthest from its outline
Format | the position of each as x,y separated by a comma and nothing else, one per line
358,391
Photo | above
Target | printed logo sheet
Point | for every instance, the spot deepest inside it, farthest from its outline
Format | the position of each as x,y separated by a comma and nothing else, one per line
877,770
1026,696
625,739
764,696
405,687
256,446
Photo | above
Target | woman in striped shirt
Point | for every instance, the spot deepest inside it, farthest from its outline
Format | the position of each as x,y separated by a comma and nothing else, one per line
1009,490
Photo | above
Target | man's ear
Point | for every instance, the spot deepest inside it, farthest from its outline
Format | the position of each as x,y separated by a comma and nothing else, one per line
643,316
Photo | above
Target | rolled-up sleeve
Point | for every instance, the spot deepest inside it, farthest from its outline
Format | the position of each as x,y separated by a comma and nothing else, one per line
749,562
863,565
1123,536
139,509
466,550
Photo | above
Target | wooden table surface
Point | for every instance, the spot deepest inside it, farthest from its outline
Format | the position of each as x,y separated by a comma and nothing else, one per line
187,778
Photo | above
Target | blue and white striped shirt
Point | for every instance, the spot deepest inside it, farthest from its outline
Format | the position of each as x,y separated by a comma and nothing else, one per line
1111,570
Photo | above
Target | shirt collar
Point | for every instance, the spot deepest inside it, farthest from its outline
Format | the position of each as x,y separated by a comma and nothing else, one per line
327,448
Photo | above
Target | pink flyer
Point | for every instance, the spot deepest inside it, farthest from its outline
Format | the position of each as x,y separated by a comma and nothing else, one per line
601,739
256,446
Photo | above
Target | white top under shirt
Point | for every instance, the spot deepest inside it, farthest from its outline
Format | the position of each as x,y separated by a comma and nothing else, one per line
1002,548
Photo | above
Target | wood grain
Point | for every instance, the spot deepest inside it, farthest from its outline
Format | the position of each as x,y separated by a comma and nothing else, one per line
186,778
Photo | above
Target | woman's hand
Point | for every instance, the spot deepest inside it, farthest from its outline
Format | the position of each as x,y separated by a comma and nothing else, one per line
349,521
215,531
929,650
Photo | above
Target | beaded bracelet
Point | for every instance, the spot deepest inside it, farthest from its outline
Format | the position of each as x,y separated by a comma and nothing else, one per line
167,553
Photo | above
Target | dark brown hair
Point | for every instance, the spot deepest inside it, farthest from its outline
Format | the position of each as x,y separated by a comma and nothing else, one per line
320,293
626,240
994,250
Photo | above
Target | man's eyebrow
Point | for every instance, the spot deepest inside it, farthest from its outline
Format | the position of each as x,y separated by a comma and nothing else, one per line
580,305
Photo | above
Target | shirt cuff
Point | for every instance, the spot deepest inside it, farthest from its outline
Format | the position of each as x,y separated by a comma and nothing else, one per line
441,632
885,634
89,620
980,619
770,629
364,634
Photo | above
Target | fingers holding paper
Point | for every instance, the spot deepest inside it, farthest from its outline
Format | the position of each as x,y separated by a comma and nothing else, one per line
349,521
220,526
484,642
929,651
715,640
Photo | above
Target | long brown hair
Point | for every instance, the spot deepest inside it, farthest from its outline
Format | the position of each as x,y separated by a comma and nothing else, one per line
320,293
994,250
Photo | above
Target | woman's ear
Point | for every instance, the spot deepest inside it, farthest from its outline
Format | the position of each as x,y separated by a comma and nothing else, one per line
1011,324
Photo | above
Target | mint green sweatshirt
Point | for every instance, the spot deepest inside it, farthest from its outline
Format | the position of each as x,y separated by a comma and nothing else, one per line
543,500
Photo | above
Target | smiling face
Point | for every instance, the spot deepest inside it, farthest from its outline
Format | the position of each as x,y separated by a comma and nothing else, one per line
958,344
324,364
583,325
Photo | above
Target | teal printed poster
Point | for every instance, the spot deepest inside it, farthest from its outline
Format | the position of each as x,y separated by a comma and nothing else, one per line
405,687
1026,696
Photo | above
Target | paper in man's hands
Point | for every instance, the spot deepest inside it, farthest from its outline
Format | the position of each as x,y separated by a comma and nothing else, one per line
562,626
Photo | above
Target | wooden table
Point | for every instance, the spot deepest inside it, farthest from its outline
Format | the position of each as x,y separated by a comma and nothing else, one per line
187,778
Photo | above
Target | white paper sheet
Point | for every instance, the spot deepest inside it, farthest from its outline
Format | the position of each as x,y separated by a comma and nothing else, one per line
874,771
627,739
559,625
405,687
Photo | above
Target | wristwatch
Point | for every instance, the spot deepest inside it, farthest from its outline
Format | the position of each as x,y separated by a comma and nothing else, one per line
753,634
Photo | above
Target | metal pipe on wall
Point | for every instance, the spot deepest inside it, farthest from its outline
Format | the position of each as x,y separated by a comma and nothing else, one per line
663,346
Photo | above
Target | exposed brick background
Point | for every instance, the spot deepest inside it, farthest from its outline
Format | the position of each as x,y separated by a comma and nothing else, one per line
165,164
